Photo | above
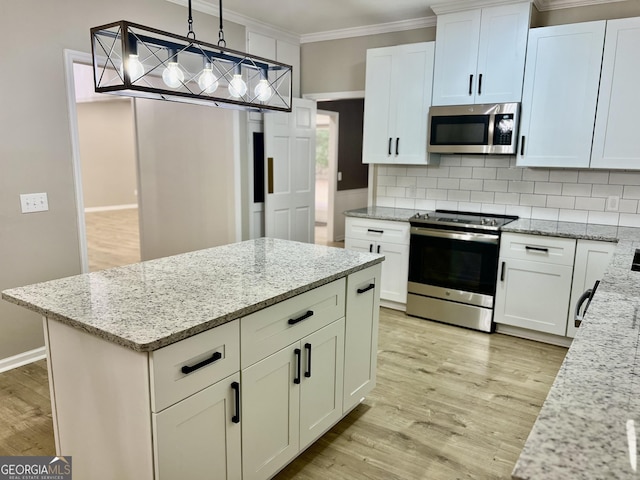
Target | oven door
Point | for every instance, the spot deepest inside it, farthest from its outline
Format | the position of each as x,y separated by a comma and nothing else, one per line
452,265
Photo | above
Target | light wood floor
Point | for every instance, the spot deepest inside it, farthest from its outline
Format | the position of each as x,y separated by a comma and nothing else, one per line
450,403
113,238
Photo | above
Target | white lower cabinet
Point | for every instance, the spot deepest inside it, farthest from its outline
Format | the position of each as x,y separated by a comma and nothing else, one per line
199,437
289,399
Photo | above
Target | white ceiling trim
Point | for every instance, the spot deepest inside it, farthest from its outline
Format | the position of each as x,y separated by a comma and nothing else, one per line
250,24
460,5
543,5
399,26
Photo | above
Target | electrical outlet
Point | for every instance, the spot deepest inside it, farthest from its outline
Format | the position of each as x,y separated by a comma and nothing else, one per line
34,202
613,203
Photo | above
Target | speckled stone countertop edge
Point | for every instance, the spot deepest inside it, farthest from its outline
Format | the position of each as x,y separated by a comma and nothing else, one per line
189,332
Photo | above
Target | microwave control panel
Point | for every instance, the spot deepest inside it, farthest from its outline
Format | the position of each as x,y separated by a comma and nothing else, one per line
503,129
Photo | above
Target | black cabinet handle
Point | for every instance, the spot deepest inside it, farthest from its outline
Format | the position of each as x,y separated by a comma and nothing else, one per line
522,146
471,84
236,387
389,151
397,145
502,272
371,247
307,347
374,230
192,368
378,250
371,286
537,249
480,84
297,353
293,321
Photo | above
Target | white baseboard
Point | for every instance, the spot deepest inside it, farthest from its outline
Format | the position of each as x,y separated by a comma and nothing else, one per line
533,335
110,207
21,359
393,305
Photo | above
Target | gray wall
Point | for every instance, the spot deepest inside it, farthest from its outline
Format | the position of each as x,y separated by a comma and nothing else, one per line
107,153
35,145
607,11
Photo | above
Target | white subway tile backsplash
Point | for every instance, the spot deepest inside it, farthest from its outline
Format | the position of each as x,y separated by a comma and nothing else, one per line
438,171
624,178
604,218
606,190
406,203
416,193
628,206
484,173
386,202
427,182
387,180
435,194
532,200
535,175
576,189
589,176
382,191
460,172
398,192
519,210
507,198
416,171
587,203
556,201
547,188
398,171
472,161
631,192
458,195
496,185
510,173
425,204
564,176
498,161
493,208
449,183
482,197
445,205
545,213
471,184
450,160
629,220
469,206
573,216
521,187
406,181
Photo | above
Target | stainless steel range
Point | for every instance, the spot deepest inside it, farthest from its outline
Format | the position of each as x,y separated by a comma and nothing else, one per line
453,267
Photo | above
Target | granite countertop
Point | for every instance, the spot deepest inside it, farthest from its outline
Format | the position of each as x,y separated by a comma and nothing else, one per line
383,213
148,305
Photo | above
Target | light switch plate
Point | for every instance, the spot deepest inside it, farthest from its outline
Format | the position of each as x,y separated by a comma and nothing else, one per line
34,202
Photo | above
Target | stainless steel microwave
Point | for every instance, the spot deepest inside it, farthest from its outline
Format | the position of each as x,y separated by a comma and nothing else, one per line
487,128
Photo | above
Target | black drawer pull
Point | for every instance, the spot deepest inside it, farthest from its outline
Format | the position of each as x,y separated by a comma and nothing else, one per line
307,347
236,387
371,286
293,321
297,352
374,230
537,249
213,358
502,272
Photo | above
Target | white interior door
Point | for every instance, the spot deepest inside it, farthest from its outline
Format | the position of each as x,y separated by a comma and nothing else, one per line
290,151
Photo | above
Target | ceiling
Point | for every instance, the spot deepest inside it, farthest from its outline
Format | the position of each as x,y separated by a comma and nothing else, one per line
312,20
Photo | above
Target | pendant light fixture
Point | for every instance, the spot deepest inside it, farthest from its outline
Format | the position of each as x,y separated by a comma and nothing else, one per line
137,61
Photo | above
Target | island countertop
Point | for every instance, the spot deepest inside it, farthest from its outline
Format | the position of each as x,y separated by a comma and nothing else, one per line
148,305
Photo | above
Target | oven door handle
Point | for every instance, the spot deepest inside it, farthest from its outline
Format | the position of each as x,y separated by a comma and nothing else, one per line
465,236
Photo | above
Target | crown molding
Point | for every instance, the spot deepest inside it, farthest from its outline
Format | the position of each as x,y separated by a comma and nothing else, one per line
390,27
543,5
460,5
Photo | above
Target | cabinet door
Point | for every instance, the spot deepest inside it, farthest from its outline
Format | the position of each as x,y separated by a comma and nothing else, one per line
361,335
616,143
457,39
533,295
359,245
197,439
559,96
413,75
501,53
395,271
592,259
378,114
322,381
270,414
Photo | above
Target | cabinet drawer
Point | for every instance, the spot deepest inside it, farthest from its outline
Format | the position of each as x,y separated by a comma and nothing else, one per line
168,382
538,248
271,329
377,230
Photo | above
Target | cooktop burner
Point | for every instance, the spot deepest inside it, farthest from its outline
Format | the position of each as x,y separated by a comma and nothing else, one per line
471,220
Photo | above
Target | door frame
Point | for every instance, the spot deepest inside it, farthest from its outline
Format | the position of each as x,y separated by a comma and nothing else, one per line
334,123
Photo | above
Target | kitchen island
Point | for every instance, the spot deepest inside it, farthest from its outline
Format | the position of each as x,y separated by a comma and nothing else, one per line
229,360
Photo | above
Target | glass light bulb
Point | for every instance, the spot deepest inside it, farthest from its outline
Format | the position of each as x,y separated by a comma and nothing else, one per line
237,87
173,76
263,90
134,67
207,81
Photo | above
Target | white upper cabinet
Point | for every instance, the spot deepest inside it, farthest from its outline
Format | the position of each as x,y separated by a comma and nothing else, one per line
616,143
560,94
396,107
480,55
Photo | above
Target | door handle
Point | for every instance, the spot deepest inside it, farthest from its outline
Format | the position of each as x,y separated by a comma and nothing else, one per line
236,388
270,175
480,84
297,353
192,368
471,84
307,347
